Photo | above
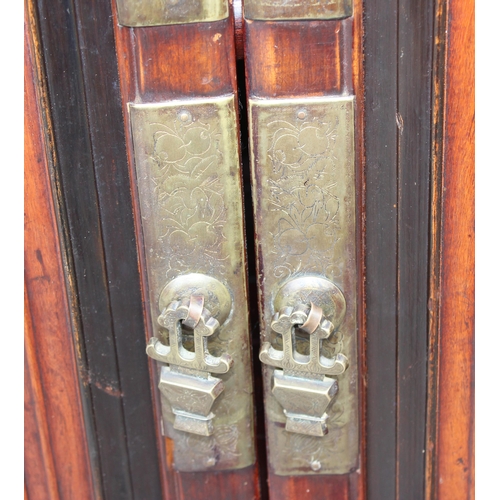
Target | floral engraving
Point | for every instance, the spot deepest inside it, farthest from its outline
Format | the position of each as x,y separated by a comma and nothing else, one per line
189,194
302,191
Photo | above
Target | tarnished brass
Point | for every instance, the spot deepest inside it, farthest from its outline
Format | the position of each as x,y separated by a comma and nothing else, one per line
175,353
289,358
302,155
282,10
301,387
187,383
215,295
161,12
189,187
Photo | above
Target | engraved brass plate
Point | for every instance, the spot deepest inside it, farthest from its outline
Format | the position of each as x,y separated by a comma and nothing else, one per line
282,10
302,154
162,12
189,187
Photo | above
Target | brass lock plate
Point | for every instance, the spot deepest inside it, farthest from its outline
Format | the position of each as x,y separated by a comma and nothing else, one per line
189,188
135,13
279,10
302,155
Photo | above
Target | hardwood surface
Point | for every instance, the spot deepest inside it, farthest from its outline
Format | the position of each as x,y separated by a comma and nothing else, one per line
167,62
288,59
450,468
415,149
57,463
93,192
300,59
173,62
398,76
414,118
380,67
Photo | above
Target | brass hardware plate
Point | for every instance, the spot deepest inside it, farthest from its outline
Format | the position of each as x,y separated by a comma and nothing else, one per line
135,13
189,187
279,10
186,383
302,155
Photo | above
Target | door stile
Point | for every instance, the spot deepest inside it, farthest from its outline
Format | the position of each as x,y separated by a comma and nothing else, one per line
399,70
450,461
158,65
57,465
92,191
289,59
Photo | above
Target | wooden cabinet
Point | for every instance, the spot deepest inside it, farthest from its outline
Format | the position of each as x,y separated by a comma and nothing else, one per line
93,417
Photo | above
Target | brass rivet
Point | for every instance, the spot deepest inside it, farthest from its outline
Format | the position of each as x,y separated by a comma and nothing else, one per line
301,114
315,465
210,462
184,116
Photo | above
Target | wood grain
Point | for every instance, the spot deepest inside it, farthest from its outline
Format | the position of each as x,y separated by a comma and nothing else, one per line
40,473
177,61
91,175
414,119
398,78
285,58
451,464
304,59
113,187
380,66
180,62
57,463
224,485
310,487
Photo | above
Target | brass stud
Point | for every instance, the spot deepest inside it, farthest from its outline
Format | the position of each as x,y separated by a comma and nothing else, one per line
184,116
315,465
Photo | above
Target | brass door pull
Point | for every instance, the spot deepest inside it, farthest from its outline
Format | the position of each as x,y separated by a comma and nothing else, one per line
189,189
203,326
303,169
302,386
186,382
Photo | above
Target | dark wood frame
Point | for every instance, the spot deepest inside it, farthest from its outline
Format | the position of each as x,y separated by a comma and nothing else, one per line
413,63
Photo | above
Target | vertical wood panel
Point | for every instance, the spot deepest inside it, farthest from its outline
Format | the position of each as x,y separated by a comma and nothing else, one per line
107,135
164,63
74,166
451,474
398,70
57,464
381,56
92,188
303,59
415,42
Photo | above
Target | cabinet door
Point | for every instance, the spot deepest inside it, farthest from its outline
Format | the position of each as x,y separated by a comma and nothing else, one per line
254,146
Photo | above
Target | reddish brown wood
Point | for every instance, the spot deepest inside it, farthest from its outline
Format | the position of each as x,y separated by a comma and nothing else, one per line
181,62
40,479
239,34
304,59
358,480
285,58
305,487
177,61
57,464
454,444
230,485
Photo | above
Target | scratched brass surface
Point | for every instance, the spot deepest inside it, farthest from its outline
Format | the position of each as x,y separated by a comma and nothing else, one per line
189,187
302,155
281,10
162,12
